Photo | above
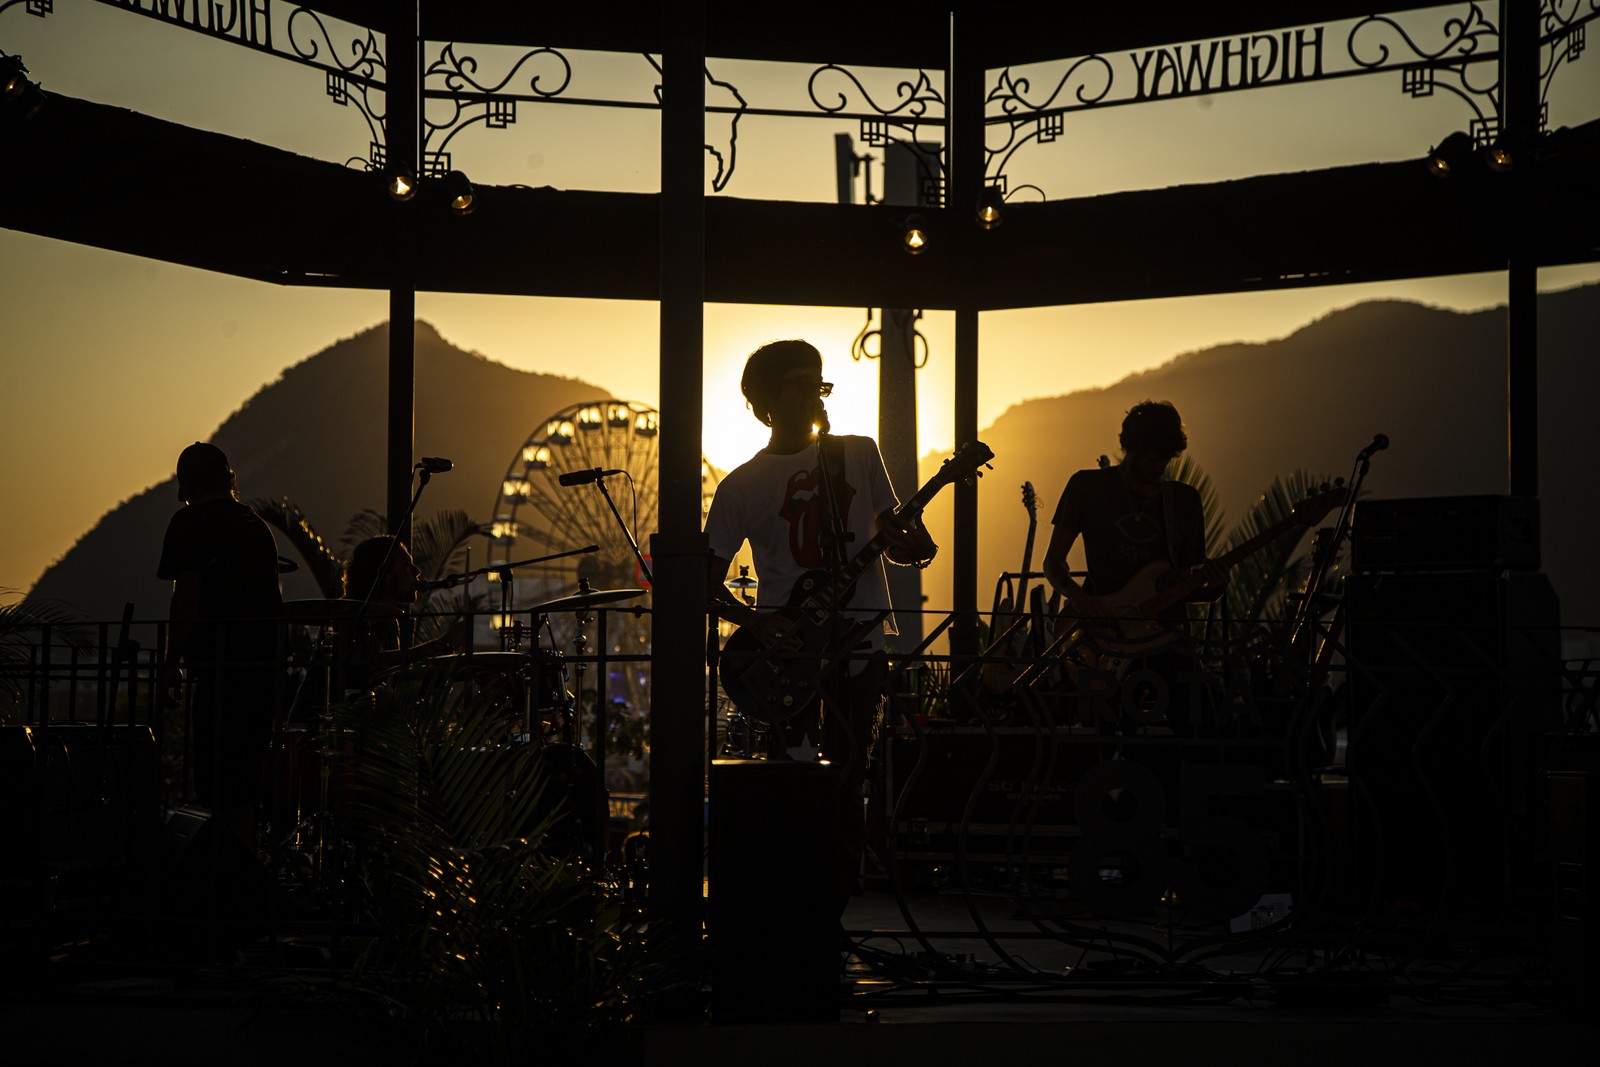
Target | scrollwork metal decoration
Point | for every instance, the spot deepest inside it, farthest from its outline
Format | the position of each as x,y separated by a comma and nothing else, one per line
348,83
1469,54
37,8
1563,30
1024,120
472,100
725,162
902,123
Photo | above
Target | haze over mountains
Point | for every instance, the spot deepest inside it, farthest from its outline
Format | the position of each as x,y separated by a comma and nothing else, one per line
1432,380
316,436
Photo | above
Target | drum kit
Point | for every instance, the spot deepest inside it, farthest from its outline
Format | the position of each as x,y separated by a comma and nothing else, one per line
524,692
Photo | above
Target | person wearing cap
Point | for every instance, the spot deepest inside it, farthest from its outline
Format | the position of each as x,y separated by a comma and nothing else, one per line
223,631
800,518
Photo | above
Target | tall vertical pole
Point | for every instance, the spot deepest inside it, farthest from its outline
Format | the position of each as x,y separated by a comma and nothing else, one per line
904,167
1520,124
965,182
402,139
677,661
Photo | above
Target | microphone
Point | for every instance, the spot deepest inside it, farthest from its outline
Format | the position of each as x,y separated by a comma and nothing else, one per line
435,465
447,582
594,474
1379,443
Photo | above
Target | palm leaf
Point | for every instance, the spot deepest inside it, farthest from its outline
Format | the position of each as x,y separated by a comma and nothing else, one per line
484,918
1187,471
1260,581
22,627
286,517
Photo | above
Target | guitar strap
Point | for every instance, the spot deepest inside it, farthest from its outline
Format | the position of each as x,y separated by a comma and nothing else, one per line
830,461
1167,511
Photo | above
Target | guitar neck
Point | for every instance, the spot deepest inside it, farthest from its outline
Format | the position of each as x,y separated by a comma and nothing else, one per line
847,574
1182,587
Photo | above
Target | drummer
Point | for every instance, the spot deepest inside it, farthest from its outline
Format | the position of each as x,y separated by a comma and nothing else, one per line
384,636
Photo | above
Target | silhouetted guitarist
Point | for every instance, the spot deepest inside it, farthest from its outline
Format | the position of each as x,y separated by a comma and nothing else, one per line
803,516
1130,517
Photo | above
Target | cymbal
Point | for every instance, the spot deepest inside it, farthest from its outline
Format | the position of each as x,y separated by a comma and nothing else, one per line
744,581
587,599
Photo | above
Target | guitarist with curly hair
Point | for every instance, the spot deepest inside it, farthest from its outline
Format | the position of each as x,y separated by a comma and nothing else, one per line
1139,530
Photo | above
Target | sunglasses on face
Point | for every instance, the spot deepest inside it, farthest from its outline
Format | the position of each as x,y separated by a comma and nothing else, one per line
823,388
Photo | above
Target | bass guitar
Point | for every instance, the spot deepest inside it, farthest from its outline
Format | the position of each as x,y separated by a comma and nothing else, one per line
1133,626
775,684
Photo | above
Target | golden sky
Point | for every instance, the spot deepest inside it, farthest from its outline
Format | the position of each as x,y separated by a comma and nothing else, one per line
111,363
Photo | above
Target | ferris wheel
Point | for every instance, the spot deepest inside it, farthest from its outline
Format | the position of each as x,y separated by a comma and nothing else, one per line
536,514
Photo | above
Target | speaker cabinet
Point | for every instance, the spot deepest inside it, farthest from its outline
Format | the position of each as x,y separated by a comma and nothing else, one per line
773,924
1453,680
1446,533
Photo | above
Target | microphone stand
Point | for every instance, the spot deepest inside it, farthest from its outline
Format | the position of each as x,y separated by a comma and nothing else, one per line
644,568
424,477
1341,530
503,570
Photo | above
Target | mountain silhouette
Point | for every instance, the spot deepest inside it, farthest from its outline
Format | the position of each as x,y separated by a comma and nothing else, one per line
1433,380
316,436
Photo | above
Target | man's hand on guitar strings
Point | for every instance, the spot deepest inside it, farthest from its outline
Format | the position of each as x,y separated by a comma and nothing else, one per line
1213,573
910,543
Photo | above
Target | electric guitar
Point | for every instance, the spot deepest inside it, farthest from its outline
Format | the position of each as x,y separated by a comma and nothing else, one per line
998,676
775,685
1134,627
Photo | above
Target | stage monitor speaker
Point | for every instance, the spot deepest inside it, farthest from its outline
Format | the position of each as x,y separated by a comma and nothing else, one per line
773,923
1446,533
1453,680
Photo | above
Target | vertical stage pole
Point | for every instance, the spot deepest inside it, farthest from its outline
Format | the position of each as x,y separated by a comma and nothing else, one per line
678,762
403,138
965,182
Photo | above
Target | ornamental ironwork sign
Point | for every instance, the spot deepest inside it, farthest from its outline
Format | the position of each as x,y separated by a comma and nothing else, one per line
1453,49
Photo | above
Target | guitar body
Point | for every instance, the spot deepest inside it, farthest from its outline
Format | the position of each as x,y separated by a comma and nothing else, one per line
1132,631
1135,628
774,685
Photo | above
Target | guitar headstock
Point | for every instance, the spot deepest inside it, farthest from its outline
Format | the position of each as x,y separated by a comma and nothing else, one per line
968,462
1314,508
1030,500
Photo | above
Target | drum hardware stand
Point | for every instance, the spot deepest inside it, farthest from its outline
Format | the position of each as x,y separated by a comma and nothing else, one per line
745,738
600,695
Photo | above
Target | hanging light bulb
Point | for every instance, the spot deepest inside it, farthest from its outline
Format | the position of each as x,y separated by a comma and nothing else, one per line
459,193
916,235
1450,156
402,183
991,207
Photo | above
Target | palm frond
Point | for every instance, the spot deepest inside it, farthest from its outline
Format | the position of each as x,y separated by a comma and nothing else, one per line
1187,471
362,525
23,625
325,566
1261,580
486,912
